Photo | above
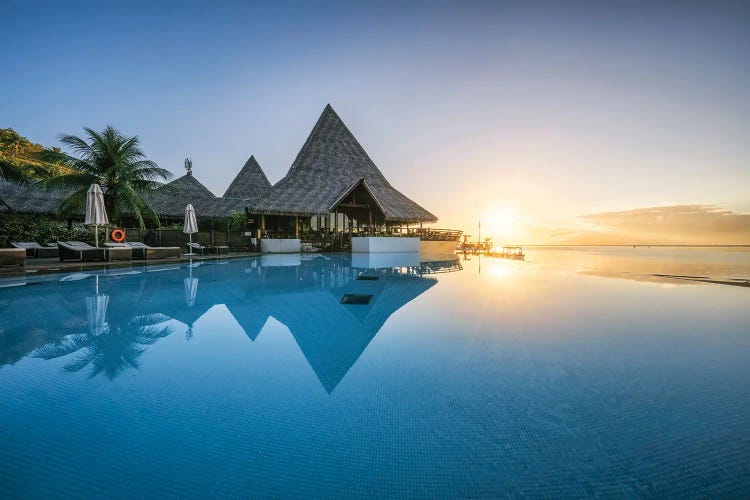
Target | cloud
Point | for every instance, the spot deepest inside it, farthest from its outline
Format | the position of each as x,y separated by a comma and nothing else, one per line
676,224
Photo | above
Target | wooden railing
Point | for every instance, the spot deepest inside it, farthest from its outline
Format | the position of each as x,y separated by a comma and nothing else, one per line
430,234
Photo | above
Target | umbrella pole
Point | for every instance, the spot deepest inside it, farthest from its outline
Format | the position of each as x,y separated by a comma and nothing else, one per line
96,235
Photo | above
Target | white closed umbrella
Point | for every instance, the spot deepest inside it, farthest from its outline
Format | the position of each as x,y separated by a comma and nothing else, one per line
95,212
96,312
191,293
191,288
190,226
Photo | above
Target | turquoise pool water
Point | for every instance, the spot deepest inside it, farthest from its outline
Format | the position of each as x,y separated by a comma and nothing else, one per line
577,372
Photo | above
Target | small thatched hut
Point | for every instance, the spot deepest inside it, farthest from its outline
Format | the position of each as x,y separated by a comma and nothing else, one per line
170,200
333,174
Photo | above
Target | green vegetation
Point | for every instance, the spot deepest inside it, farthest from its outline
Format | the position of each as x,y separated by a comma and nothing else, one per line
236,220
117,164
21,159
11,172
33,227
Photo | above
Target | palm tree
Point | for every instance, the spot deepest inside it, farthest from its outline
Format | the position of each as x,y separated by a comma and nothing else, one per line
114,161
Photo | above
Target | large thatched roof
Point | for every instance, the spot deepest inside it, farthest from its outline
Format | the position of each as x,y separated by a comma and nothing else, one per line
330,162
251,182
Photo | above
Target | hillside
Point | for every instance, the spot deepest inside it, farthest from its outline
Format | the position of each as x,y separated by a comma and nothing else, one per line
20,151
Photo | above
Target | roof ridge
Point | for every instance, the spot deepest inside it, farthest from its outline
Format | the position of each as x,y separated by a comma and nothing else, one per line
251,178
328,120
181,182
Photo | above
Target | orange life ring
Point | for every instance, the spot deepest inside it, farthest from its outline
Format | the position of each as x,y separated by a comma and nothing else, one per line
117,235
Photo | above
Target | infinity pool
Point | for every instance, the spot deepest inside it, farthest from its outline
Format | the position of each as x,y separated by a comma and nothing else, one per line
576,372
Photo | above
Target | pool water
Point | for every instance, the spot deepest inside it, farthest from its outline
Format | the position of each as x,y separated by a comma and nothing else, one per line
576,372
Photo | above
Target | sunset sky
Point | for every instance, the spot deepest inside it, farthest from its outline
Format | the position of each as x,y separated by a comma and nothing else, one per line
557,122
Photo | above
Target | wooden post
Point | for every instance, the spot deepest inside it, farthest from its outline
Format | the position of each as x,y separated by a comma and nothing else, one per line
296,226
370,228
336,229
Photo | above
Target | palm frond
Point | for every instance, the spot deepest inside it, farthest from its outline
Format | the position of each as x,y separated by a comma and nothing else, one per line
77,145
67,345
67,181
75,203
80,362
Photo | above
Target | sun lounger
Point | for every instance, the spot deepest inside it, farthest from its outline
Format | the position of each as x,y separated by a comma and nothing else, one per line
34,249
119,253
78,250
208,249
12,257
137,252
52,245
155,252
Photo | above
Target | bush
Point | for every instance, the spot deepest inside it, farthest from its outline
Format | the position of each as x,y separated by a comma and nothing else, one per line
42,229
236,220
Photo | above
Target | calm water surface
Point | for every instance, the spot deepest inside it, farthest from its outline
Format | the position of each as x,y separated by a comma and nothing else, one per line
576,372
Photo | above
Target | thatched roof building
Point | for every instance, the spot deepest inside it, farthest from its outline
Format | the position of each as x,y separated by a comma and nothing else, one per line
329,172
29,198
168,201
171,199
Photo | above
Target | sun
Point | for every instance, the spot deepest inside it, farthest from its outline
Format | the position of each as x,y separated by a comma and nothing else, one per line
501,224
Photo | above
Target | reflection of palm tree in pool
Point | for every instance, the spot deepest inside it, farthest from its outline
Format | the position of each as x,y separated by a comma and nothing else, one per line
114,350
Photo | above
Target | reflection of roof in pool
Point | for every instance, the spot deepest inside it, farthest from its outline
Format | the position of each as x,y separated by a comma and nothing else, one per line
332,336
305,298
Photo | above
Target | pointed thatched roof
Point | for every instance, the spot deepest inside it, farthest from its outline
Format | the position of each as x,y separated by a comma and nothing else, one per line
330,162
171,199
188,185
251,182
